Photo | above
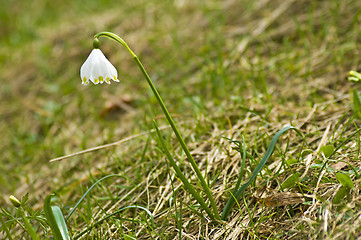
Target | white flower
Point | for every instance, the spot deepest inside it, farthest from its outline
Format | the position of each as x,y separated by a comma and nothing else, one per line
98,69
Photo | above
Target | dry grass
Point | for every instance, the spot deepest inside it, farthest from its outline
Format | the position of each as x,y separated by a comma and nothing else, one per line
286,60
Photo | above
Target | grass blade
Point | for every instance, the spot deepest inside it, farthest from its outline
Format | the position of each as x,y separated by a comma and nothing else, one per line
231,201
4,227
86,193
179,173
111,215
243,165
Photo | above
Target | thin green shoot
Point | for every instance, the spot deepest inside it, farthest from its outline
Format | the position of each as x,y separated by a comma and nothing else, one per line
5,228
243,164
230,203
113,214
86,193
178,214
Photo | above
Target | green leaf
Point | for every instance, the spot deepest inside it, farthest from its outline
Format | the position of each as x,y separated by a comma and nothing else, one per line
128,237
340,195
327,150
356,104
291,180
304,153
291,161
232,200
345,180
55,220
59,218
353,79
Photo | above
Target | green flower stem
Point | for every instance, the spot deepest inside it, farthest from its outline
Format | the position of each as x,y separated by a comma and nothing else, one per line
169,118
28,227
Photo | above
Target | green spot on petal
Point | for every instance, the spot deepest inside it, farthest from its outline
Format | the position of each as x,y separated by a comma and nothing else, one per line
101,79
107,80
96,81
84,80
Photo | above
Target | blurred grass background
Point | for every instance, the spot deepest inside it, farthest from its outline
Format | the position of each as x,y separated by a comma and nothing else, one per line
209,60
48,114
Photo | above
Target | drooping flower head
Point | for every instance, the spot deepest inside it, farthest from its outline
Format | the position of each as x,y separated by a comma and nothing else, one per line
97,67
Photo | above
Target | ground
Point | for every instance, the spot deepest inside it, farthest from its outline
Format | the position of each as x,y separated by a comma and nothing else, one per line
227,71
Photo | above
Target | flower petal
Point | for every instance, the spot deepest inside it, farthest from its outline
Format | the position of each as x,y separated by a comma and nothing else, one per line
98,69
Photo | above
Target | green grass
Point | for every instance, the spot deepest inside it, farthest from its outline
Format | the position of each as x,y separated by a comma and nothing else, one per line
226,70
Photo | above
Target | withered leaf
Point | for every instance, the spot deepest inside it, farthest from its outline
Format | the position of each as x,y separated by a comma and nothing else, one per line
282,199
